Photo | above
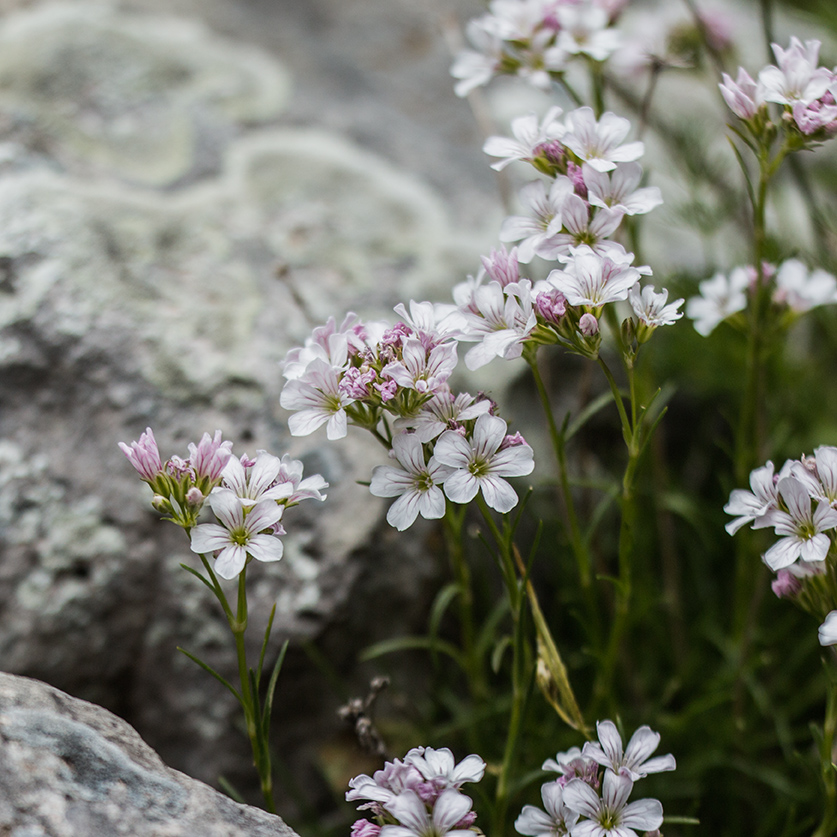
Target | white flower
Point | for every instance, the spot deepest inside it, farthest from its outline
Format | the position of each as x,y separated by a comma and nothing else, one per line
818,473
610,816
317,398
505,319
240,535
753,505
480,464
327,343
651,308
720,298
450,809
439,767
529,135
476,67
634,761
619,189
442,412
573,764
555,821
582,229
828,630
590,279
547,207
309,488
599,143
801,290
584,31
415,483
797,78
258,482
802,531
421,370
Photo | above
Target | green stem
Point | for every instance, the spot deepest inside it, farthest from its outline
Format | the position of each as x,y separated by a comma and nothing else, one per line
828,825
249,700
579,547
519,666
630,433
453,523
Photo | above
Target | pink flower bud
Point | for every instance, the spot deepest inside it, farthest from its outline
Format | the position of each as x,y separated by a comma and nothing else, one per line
209,456
144,455
785,585
588,325
194,496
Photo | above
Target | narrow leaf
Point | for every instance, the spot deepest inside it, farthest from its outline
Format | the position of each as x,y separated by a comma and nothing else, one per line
271,688
264,643
212,671
411,643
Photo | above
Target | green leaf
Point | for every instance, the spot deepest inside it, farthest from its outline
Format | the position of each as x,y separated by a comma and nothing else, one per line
264,643
230,791
412,643
271,687
212,671
497,654
440,605
595,406
200,576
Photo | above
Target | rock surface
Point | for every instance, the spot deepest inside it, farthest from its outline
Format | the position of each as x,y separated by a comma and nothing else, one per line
166,235
72,769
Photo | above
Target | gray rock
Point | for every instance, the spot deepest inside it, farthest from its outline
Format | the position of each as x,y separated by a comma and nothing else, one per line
72,769
152,100
124,306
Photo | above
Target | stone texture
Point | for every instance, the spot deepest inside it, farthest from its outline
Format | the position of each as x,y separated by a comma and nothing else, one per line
72,769
144,285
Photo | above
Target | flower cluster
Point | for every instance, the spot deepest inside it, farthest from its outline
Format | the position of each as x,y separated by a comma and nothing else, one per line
471,457
590,796
536,40
593,184
389,379
359,372
247,496
794,290
418,797
806,92
800,504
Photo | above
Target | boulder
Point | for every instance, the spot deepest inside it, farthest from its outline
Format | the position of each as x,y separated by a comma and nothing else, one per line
72,769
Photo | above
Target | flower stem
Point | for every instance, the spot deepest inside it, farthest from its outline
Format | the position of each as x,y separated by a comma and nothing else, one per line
828,825
521,664
579,547
630,433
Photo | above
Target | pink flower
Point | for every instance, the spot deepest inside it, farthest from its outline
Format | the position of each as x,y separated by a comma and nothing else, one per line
209,456
144,455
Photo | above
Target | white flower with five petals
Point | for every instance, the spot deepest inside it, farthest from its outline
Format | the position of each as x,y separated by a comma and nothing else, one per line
481,462
415,483
241,533
600,142
611,815
450,810
633,760
556,820
802,530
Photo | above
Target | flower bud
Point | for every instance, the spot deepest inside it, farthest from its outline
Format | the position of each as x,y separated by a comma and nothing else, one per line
588,325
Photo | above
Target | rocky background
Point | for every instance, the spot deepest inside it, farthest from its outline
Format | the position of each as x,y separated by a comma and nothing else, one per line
186,188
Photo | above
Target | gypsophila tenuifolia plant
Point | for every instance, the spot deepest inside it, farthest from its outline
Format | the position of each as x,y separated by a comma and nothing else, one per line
602,586
248,498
